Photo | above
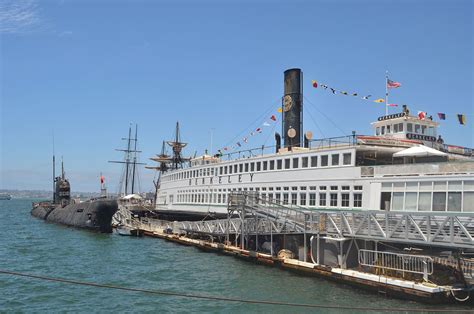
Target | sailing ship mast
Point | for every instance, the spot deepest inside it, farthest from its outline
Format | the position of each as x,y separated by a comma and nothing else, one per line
130,162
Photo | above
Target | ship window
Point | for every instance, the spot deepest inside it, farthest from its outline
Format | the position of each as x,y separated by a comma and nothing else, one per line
409,127
345,188
382,132
264,188
439,201
295,163
235,168
278,188
423,129
265,164
304,162
322,188
395,128
294,188
417,128
424,201
357,199
346,158
410,201
294,199
397,201
241,167
400,127
388,129
345,199
279,163
302,188
454,185
431,131
287,163
335,159
322,199
221,170
377,130
270,188
468,202
303,199
314,161
333,187
272,164
259,164
333,200
454,201
469,185
225,170
324,161
312,188
285,198
358,187
252,166
246,167
230,169
286,188
312,199
277,197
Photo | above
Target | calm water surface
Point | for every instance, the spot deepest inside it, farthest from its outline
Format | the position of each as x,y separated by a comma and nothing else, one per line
32,246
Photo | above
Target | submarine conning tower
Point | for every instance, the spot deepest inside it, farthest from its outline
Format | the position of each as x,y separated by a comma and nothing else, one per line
63,189
292,105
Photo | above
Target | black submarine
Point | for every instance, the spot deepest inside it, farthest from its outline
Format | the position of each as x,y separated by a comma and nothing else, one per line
94,214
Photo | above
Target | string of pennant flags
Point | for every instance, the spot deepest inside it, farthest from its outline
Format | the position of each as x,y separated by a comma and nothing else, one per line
340,92
268,122
390,84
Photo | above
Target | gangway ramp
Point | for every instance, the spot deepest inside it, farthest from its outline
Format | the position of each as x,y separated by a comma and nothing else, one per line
249,214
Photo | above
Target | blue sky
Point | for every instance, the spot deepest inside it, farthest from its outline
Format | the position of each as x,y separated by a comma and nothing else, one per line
87,69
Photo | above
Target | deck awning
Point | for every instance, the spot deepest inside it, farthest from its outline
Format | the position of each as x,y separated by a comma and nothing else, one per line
419,151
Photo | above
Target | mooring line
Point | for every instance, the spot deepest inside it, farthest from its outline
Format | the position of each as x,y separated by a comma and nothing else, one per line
226,299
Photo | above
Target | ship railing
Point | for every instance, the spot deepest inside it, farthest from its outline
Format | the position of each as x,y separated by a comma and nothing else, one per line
330,142
403,263
466,265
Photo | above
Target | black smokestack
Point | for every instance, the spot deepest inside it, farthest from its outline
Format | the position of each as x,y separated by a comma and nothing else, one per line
293,108
278,141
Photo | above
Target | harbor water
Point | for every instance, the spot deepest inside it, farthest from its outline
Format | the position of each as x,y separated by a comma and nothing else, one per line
30,245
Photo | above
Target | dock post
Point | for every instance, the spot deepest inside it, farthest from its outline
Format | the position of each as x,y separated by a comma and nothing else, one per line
271,239
317,250
305,248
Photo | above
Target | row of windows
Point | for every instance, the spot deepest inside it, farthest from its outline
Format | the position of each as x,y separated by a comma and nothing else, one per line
411,128
428,196
431,201
299,199
266,165
335,196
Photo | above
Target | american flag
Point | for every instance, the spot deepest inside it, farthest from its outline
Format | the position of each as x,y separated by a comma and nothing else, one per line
392,84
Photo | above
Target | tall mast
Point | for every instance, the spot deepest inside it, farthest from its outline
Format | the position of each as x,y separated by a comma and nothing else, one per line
386,92
134,159
62,168
54,173
54,178
127,159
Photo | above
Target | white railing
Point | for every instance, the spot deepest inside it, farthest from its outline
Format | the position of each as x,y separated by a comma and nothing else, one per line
405,263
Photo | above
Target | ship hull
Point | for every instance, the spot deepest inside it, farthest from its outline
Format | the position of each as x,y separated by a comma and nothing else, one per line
93,215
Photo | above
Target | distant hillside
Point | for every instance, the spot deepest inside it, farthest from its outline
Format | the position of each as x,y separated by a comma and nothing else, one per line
45,194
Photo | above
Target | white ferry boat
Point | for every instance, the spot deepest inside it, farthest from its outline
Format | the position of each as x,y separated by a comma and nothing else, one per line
403,166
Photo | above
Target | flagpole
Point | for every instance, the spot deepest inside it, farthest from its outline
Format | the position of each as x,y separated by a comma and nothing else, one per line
386,92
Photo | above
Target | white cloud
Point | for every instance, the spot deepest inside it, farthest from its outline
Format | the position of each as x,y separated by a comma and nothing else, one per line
18,16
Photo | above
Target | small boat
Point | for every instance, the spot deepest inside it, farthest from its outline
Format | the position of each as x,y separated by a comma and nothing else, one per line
5,197
128,231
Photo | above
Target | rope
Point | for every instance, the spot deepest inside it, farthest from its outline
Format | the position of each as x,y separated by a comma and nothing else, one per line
227,299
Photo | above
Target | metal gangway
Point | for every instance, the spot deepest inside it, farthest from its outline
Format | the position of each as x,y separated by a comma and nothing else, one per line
248,214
